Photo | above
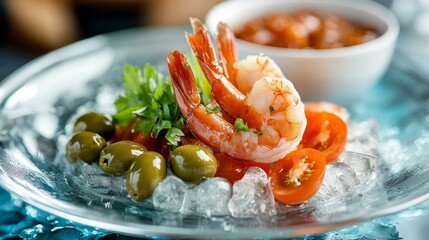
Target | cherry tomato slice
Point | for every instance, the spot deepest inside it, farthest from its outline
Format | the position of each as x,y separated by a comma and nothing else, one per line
128,132
298,176
152,144
233,169
323,106
123,132
325,132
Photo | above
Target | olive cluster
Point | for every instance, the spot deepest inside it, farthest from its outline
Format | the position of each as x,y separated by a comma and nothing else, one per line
144,169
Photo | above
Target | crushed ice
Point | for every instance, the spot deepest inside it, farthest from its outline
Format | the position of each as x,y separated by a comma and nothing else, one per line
251,196
209,198
339,179
169,194
363,137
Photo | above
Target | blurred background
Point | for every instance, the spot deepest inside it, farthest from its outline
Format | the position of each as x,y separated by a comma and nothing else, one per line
29,28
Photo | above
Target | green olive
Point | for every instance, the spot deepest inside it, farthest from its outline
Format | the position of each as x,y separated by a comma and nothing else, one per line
85,146
116,158
144,175
100,123
193,163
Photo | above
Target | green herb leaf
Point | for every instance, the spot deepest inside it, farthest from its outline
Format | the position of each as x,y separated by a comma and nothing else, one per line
258,132
124,117
271,108
159,126
179,123
215,109
145,125
204,86
259,185
147,118
149,97
173,135
240,125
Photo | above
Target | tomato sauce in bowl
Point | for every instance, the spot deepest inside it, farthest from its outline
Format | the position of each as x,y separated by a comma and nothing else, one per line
305,29
329,49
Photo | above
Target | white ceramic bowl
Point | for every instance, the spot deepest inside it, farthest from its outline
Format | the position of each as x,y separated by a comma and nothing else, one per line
320,74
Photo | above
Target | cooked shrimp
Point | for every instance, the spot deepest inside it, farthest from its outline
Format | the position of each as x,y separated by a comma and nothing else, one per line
242,73
233,102
279,135
228,54
272,108
245,72
238,103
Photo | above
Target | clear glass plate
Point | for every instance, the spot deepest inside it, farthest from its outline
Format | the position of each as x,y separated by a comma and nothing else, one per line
40,99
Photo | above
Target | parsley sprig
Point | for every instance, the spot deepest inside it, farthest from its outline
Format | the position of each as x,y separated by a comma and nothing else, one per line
149,97
240,125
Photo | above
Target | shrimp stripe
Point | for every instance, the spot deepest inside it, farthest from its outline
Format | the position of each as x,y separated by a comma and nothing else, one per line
232,100
207,127
228,54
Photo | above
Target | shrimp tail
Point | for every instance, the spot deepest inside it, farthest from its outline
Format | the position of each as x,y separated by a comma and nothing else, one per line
228,54
232,100
203,49
209,128
184,85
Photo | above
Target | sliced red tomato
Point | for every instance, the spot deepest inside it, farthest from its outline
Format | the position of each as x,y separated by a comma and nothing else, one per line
325,132
316,107
128,132
298,176
152,144
233,169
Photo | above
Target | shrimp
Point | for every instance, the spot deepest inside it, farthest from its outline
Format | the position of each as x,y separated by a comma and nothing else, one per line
242,73
272,108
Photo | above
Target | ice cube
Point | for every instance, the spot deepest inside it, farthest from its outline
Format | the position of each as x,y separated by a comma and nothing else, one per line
190,203
210,198
360,163
169,194
213,197
252,195
363,137
339,179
